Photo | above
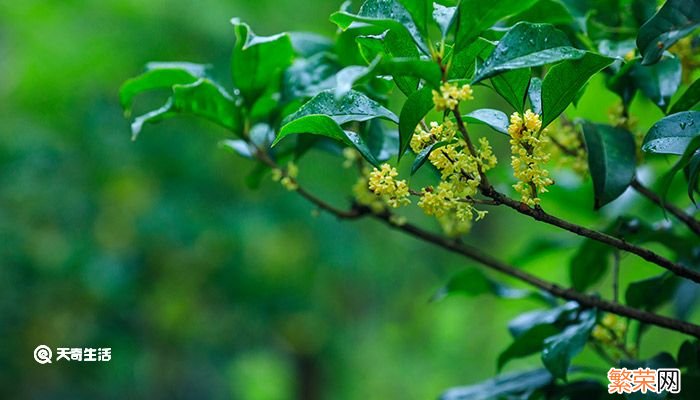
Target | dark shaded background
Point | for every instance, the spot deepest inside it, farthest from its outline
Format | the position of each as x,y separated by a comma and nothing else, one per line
202,287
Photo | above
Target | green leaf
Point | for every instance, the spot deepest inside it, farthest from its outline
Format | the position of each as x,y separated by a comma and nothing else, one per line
443,17
534,94
388,14
258,61
347,77
528,45
496,119
202,98
530,342
306,44
476,16
544,11
427,70
672,134
394,45
420,11
424,154
563,82
690,152
414,109
512,86
690,98
462,61
589,264
649,294
526,321
159,76
611,160
354,106
561,348
518,385
693,173
324,125
658,82
383,143
675,19
306,77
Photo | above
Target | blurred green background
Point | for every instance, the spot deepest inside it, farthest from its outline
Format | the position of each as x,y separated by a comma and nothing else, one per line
202,287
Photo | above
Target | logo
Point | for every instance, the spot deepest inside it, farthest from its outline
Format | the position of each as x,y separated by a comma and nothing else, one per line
42,354
623,380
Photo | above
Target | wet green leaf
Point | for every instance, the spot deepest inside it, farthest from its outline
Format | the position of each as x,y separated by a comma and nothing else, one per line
528,45
672,134
515,385
443,17
204,99
323,125
512,86
530,342
688,155
495,119
564,81
476,16
307,44
159,76
611,160
689,99
462,61
560,349
354,106
258,61
389,14
306,77
526,321
658,82
414,109
534,94
675,19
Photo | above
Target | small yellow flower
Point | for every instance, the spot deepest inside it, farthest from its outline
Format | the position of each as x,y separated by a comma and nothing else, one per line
528,145
383,183
287,179
450,95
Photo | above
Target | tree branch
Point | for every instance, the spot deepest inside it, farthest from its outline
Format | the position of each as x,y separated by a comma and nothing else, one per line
691,222
540,215
569,294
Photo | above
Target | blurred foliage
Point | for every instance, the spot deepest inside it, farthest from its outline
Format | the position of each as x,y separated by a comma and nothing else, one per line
204,288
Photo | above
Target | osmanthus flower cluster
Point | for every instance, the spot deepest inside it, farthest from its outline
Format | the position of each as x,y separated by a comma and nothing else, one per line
529,148
451,201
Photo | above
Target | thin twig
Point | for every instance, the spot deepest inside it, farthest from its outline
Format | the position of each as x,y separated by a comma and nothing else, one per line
692,223
539,214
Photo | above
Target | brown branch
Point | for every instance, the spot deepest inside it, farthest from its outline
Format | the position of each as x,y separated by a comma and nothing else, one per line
692,223
539,214
490,262
569,294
